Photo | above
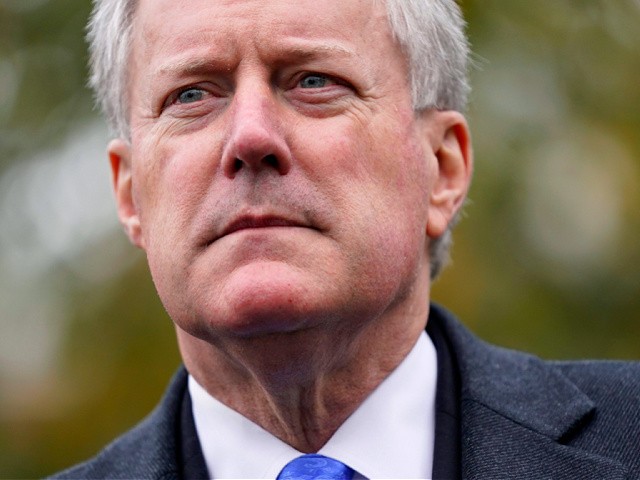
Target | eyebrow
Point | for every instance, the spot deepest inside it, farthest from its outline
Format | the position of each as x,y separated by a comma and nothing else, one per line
315,50
293,53
187,66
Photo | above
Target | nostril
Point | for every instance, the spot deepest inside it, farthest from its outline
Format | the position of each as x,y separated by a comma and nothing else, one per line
253,163
271,161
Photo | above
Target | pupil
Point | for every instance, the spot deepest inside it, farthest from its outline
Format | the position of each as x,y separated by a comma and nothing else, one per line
313,82
189,96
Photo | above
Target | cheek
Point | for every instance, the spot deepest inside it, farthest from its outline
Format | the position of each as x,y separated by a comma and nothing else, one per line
381,169
379,178
174,177
172,182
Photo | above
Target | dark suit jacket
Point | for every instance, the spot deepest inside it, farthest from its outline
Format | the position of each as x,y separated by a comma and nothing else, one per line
520,418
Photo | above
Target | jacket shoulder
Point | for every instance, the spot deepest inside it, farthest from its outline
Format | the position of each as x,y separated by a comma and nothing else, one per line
149,450
524,417
603,378
614,386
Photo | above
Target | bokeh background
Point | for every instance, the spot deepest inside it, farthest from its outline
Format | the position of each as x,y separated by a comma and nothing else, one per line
546,261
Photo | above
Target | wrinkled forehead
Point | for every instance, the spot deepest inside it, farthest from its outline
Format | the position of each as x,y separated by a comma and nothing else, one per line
161,13
168,26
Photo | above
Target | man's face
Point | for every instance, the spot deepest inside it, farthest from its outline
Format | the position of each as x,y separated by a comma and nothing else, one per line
277,177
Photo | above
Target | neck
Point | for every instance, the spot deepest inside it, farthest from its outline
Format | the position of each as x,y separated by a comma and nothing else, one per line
301,386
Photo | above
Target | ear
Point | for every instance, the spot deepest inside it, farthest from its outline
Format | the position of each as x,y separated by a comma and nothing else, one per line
121,171
451,146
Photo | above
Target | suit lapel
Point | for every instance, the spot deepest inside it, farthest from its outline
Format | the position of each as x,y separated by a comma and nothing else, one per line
517,413
498,447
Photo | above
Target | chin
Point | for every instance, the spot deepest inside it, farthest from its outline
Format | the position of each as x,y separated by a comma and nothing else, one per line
266,298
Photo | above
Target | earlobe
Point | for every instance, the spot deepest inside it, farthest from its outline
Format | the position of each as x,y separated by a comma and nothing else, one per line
121,170
452,148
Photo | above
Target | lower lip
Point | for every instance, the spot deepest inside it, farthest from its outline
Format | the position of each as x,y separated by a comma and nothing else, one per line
265,229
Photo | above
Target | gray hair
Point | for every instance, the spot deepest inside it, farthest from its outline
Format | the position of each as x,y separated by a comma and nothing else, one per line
431,33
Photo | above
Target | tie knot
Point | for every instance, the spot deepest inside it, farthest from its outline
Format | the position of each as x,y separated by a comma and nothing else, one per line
315,467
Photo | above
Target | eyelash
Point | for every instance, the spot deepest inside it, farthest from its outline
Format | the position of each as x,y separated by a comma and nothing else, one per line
330,79
174,97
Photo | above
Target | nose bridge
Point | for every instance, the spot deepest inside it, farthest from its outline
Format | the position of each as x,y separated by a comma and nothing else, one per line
256,139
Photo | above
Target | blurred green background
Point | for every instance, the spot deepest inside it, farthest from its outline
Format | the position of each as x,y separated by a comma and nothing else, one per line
546,261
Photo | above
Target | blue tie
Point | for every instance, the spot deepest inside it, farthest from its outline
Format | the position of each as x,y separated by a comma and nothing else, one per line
315,467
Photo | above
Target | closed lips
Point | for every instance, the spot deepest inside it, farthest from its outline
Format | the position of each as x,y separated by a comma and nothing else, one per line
244,223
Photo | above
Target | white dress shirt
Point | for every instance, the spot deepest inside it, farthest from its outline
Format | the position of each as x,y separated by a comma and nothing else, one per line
390,435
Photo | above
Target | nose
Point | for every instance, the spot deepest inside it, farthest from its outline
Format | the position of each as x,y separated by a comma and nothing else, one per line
256,142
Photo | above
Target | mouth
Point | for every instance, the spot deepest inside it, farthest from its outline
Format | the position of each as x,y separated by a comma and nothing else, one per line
257,222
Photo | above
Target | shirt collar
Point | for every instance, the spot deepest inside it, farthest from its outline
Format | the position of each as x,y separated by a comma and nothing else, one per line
390,435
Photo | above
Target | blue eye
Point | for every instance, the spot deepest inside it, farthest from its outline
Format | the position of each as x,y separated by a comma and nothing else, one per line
313,81
190,95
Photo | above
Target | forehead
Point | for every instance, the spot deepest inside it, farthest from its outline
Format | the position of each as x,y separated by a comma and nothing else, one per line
166,27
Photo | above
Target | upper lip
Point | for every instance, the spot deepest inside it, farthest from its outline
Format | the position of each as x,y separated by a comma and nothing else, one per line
259,221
